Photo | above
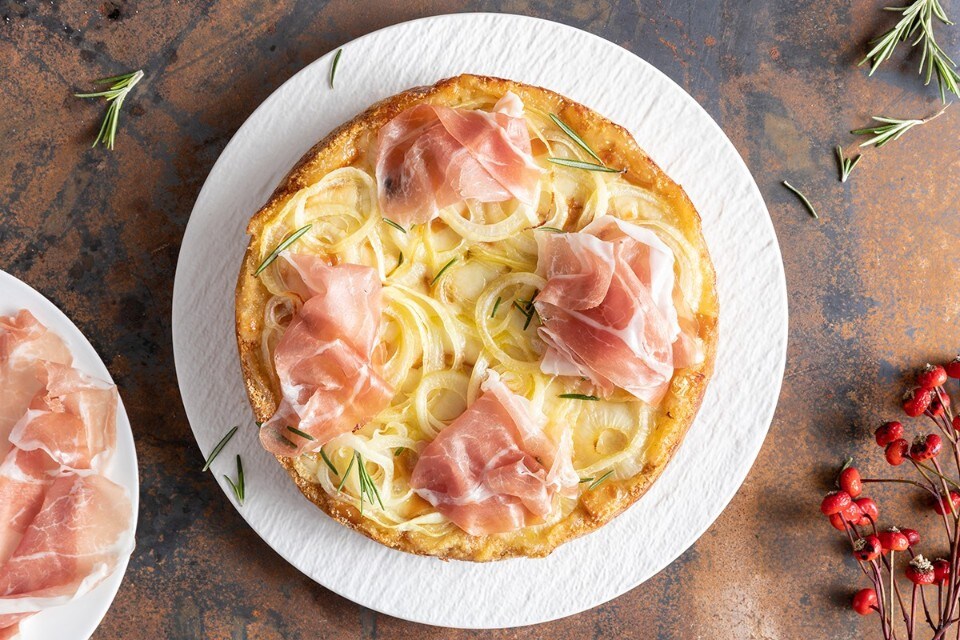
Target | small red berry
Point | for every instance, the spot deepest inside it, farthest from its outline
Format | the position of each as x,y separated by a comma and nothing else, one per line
927,447
920,571
956,423
936,408
867,549
953,368
943,507
897,451
894,540
865,601
941,571
931,376
852,514
913,538
850,481
888,432
835,502
916,401
870,511
836,520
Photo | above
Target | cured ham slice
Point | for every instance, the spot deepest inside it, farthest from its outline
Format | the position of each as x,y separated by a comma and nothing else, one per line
24,344
431,156
64,527
493,469
609,309
324,358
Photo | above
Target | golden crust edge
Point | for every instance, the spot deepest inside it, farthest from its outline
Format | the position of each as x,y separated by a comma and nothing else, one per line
594,509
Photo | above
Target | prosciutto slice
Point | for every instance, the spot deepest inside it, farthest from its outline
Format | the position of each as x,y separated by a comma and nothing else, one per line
493,469
609,309
431,156
63,526
324,358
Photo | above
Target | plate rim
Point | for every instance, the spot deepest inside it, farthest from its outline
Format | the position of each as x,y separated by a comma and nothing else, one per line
747,460
106,592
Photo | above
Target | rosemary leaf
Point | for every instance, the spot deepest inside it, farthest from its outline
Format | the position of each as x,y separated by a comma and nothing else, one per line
442,271
496,305
578,396
217,449
394,225
891,129
596,483
328,462
586,166
803,198
280,247
120,86
573,136
234,488
333,68
240,482
553,229
398,451
583,480
846,164
346,473
302,434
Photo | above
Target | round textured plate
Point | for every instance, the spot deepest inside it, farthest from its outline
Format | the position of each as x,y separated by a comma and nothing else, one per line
720,447
83,615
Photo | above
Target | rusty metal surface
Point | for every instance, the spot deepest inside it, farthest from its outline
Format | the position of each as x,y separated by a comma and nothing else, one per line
873,284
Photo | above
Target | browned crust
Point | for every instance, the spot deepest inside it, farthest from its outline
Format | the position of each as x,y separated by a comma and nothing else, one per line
677,412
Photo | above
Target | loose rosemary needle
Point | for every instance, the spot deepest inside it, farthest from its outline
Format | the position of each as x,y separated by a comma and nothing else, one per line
803,199
217,449
280,247
586,166
846,164
120,86
238,487
573,136
333,68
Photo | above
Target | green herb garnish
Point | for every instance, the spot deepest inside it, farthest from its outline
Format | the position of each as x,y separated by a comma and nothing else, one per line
394,225
302,434
239,489
442,271
573,136
583,480
333,68
578,396
496,305
217,449
586,166
368,489
803,199
891,129
596,483
553,229
846,164
323,455
120,86
347,472
397,451
280,247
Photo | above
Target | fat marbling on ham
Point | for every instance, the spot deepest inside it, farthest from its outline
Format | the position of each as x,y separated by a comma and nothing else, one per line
324,362
63,526
609,308
493,469
432,156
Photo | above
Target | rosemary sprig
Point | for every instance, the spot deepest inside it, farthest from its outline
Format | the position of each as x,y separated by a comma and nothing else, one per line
573,136
368,488
280,247
578,396
394,225
442,271
599,481
328,462
333,68
586,166
891,129
302,434
238,487
217,449
120,86
803,199
917,18
496,305
846,164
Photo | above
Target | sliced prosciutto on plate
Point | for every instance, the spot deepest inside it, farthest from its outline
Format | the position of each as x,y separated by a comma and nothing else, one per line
64,527
493,469
324,358
609,309
431,156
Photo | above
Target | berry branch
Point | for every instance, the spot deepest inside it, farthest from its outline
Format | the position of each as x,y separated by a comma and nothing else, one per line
876,550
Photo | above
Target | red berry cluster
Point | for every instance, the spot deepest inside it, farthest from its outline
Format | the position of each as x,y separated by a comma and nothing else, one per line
874,549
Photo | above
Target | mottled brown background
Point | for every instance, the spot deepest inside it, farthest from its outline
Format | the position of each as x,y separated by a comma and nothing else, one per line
873,285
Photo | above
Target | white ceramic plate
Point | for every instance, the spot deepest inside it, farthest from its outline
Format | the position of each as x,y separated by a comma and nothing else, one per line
82,616
717,452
